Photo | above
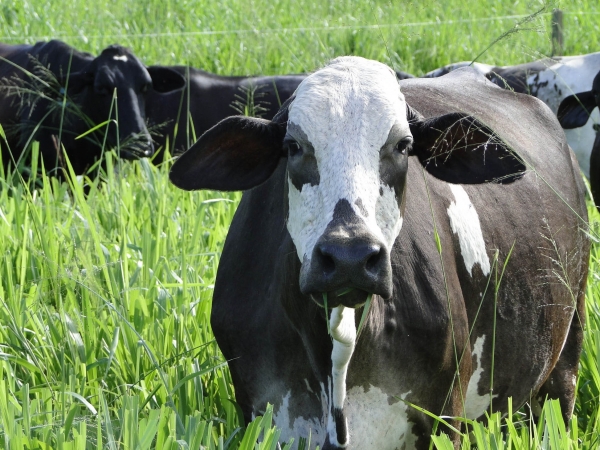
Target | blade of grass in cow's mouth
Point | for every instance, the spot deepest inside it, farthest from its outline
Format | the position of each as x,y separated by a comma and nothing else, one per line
348,297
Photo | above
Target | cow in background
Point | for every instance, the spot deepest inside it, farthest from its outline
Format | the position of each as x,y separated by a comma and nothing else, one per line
182,116
551,80
575,111
37,81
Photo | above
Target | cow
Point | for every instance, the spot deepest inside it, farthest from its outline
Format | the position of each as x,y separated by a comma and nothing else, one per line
551,80
35,81
453,208
209,98
575,112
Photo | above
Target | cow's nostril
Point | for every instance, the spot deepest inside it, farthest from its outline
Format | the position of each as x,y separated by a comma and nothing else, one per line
373,261
326,260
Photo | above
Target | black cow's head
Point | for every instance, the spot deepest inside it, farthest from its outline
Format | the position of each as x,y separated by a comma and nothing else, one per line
114,86
347,135
574,111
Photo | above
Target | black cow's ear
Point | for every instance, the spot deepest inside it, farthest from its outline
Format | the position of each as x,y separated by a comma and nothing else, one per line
238,153
165,79
574,111
457,148
77,81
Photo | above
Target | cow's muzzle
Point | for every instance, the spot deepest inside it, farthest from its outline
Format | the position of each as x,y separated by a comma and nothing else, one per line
347,269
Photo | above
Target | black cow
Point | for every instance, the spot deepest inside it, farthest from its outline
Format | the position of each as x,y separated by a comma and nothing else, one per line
551,80
574,112
428,196
208,98
33,82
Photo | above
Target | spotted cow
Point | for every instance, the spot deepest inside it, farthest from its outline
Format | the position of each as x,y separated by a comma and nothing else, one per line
575,111
431,197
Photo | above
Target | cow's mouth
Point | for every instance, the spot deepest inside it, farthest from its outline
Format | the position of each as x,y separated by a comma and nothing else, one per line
347,297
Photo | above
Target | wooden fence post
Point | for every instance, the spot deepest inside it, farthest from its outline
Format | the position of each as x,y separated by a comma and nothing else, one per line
557,32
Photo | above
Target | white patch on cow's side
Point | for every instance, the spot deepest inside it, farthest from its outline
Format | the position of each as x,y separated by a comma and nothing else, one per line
475,404
377,420
298,426
572,75
346,110
121,58
465,224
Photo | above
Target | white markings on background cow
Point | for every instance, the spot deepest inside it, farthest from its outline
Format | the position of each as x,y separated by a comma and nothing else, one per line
475,404
120,58
347,110
572,75
292,427
465,224
377,420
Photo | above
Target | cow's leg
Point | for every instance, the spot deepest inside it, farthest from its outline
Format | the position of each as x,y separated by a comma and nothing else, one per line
561,383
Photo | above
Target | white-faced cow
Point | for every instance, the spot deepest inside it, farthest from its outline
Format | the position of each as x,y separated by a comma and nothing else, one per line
208,98
551,80
33,83
576,111
457,204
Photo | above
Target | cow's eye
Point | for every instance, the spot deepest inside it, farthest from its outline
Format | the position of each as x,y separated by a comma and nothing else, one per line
293,148
403,146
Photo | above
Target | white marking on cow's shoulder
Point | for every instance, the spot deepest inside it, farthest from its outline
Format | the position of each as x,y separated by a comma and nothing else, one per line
465,224
121,58
343,331
377,420
294,427
475,404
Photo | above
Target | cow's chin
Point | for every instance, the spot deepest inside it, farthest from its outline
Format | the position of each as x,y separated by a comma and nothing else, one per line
349,298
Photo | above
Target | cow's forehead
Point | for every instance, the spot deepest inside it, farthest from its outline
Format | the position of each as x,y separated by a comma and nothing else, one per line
351,96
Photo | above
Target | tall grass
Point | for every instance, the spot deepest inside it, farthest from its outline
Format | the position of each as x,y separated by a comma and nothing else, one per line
105,298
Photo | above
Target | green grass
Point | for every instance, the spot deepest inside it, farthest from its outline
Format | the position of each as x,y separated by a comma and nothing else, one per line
105,339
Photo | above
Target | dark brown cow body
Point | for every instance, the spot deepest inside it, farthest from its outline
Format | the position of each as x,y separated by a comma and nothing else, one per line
487,290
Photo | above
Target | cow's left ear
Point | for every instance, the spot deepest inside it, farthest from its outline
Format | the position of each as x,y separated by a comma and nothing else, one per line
574,111
165,79
238,153
457,148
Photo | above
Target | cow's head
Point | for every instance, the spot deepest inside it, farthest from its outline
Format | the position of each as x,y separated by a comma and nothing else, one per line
347,135
574,111
118,69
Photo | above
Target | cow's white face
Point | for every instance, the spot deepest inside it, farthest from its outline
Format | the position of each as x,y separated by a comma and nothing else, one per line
347,136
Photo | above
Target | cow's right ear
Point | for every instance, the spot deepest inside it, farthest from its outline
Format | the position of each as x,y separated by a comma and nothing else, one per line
574,111
237,154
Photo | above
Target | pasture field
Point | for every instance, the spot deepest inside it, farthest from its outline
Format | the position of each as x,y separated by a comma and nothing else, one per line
105,299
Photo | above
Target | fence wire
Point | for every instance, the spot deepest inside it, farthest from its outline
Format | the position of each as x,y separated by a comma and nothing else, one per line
286,30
